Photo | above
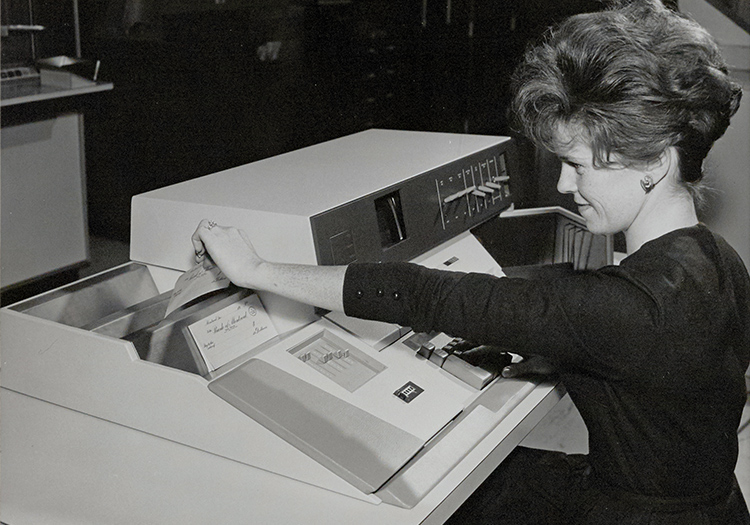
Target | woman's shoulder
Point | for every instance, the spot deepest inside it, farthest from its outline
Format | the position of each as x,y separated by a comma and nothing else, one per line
695,252
693,243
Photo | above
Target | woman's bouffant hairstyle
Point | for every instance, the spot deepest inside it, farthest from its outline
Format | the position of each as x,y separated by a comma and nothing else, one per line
631,81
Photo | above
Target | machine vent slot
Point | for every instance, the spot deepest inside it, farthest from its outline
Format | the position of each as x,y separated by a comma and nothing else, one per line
342,248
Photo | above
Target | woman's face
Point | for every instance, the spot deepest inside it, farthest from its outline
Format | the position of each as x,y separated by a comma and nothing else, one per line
608,198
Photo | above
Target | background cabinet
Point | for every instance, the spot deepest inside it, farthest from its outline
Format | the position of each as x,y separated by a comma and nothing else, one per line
43,207
198,90
44,234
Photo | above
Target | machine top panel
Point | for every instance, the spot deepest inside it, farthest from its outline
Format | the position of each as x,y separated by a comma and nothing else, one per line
321,177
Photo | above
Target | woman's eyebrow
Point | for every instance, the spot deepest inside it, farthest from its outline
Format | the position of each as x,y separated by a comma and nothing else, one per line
568,160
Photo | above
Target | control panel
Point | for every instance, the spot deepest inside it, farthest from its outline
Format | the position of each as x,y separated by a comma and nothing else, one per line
405,220
473,190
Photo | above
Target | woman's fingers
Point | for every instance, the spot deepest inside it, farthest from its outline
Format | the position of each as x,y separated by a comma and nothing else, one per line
534,365
198,238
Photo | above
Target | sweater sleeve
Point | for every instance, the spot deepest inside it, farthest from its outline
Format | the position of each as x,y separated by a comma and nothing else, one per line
584,322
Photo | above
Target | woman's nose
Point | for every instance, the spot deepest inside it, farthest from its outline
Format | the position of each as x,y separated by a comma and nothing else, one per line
567,181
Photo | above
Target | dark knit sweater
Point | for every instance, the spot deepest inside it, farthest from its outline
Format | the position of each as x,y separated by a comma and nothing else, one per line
653,351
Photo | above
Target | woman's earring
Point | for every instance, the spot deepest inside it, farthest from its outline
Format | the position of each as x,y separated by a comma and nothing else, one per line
647,183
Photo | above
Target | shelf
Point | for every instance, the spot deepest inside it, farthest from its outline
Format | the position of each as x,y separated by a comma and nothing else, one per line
26,93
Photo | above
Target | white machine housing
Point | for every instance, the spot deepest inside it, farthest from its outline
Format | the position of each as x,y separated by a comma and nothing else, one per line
75,382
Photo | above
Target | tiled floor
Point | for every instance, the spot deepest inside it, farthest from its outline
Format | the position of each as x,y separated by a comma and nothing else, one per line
562,429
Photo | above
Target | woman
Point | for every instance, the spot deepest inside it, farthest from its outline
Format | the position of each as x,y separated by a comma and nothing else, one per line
653,352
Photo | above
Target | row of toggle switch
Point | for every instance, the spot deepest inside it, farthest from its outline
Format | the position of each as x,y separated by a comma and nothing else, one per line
325,357
482,190
450,362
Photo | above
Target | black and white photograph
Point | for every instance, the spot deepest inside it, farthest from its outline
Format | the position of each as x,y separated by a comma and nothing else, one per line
374,262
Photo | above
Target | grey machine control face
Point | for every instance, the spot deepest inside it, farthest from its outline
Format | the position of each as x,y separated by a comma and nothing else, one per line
405,220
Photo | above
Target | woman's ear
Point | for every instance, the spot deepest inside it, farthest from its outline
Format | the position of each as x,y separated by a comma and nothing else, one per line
665,164
657,170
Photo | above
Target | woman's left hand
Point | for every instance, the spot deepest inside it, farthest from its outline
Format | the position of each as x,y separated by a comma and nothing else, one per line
532,365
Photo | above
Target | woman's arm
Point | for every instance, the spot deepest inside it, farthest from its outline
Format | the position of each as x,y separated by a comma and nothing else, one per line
235,255
321,286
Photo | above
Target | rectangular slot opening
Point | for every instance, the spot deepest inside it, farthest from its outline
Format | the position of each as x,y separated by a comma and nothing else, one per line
124,303
390,219
166,341
84,302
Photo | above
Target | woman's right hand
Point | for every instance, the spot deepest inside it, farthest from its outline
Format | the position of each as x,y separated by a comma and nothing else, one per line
229,248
